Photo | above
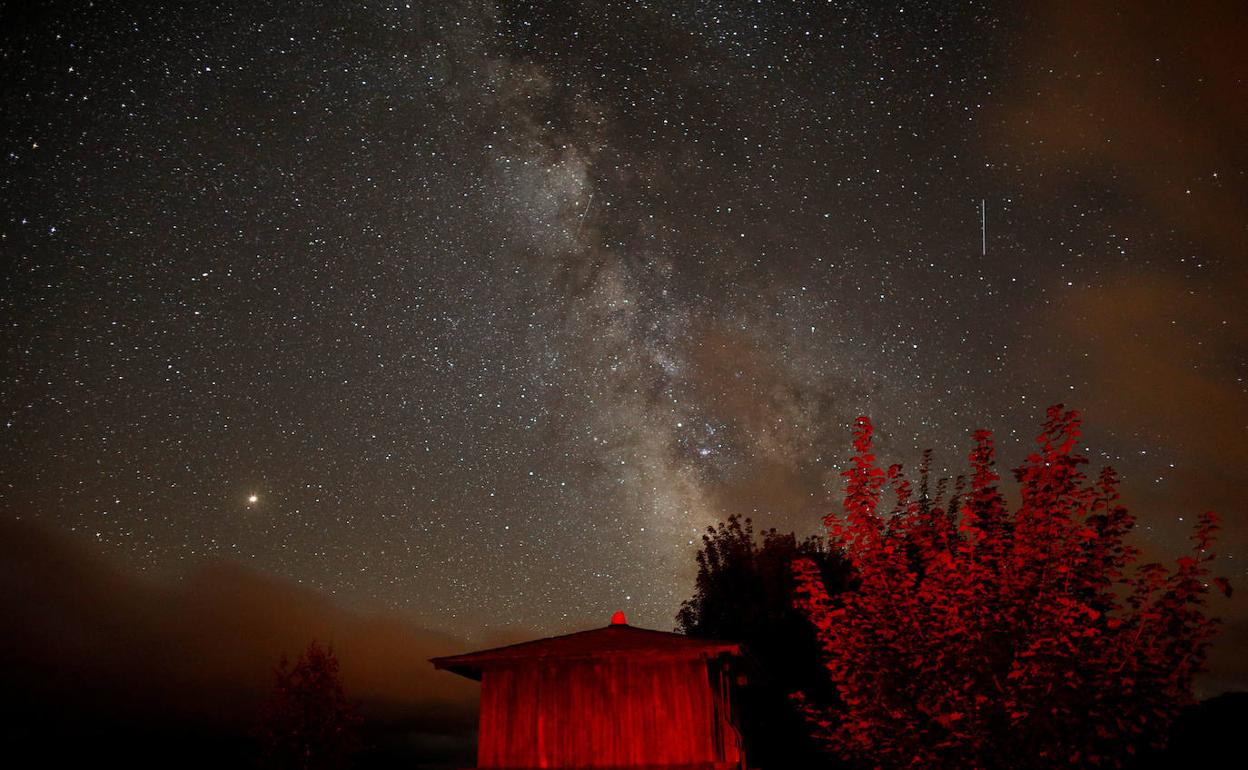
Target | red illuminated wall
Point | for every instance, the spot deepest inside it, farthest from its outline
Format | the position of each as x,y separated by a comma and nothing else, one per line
603,713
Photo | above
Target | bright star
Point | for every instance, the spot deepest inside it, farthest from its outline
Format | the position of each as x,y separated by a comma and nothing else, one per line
253,499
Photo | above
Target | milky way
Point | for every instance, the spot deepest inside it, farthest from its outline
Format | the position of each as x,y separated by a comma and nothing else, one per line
493,308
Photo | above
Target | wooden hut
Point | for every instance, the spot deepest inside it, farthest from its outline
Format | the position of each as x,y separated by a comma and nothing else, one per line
615,697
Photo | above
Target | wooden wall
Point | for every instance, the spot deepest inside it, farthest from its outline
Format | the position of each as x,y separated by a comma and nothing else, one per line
603,713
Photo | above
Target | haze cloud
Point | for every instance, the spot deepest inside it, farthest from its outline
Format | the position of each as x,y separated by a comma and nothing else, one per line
85,641
1145,102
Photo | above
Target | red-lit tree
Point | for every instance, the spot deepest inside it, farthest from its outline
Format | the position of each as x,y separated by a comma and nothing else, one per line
309,723
983,637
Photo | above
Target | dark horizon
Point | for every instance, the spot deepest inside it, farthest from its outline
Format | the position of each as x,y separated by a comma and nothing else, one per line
103,660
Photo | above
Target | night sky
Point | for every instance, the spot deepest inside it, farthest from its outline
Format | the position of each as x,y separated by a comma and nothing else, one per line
478,314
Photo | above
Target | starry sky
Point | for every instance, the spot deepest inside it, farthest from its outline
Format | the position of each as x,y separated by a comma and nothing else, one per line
479,313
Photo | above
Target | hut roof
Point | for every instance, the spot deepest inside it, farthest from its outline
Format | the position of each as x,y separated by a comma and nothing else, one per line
618,640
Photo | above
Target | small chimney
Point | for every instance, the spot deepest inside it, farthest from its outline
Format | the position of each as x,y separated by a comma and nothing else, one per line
618,619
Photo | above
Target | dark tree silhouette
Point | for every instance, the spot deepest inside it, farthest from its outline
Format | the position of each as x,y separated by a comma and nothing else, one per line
977,636
745,592
1204,735
309,724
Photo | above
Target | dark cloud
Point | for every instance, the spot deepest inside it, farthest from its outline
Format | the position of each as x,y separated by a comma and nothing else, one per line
89,640
1177,386
1147,97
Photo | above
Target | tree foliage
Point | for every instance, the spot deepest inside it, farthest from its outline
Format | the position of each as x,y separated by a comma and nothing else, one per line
985,636
744,592
309,723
